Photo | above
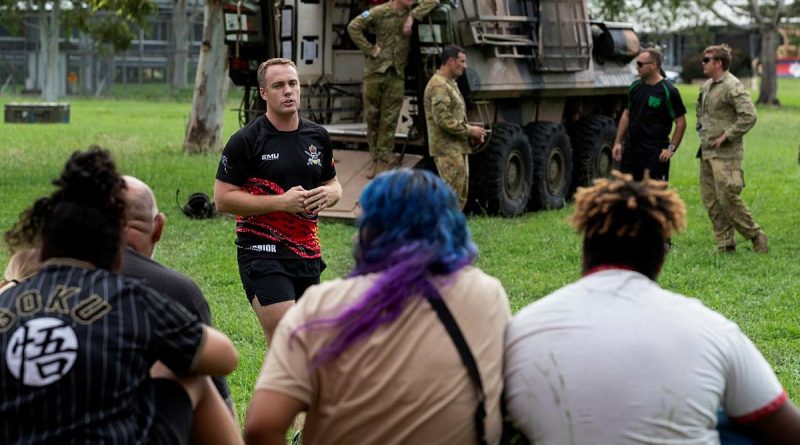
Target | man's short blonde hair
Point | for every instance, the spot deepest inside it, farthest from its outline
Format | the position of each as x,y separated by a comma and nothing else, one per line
722,53
262,69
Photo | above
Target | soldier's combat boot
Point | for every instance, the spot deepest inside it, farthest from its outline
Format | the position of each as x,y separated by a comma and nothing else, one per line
384,166
373,170
727,249
378,167
760,242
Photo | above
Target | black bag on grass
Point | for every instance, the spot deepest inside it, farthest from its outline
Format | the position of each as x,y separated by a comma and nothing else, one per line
199,206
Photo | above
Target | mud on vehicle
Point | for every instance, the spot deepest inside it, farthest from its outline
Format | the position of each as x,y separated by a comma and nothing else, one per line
547,81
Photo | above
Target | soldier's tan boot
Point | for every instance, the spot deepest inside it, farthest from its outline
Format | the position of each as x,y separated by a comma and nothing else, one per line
760,242
373,170
379,167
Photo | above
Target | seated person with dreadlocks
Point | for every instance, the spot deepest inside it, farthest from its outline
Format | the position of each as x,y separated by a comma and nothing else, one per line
80,342
615,359
367,356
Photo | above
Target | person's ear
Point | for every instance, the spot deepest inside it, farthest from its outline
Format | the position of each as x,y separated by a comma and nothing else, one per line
158,228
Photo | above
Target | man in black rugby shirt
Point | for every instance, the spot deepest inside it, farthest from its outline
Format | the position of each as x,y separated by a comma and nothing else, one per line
276,174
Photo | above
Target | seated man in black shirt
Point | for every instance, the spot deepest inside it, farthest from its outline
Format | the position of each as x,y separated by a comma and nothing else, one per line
79,342
144,225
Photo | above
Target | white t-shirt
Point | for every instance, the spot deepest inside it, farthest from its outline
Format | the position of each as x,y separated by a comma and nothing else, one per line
405,382
615,359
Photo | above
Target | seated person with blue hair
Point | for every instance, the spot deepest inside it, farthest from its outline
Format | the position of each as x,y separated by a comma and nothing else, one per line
366,356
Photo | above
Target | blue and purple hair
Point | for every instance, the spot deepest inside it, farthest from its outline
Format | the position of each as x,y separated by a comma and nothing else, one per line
410,229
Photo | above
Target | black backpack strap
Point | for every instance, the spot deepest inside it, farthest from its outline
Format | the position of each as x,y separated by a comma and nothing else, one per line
466,356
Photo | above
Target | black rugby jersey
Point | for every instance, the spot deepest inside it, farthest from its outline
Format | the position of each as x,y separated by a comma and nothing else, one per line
77,345
651,111
266,161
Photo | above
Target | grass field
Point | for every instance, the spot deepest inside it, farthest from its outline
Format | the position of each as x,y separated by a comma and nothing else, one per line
532,255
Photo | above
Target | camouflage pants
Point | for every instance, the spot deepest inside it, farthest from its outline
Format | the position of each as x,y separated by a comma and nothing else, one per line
383,99
454,169
721,182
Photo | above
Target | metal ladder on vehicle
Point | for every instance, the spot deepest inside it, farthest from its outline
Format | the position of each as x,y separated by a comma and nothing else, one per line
510,36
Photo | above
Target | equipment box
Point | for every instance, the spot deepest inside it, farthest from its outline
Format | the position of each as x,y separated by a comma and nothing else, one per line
32,113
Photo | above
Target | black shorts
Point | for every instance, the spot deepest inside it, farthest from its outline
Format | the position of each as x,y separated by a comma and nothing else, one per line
174,415
637,159
276,281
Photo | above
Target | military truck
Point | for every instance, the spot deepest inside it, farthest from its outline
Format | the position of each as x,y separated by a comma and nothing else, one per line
548,83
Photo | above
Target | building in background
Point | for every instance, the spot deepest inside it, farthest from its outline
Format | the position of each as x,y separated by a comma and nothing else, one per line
87,70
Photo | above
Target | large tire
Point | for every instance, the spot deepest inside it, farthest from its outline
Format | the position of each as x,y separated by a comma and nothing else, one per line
552,165
592,142
500,175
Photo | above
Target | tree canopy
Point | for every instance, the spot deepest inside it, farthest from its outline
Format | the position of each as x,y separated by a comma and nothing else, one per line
109,22
760,16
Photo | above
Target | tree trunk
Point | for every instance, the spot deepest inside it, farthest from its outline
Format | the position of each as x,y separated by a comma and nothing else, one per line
111,71
179,59
203,132
49,32
86,70
768,92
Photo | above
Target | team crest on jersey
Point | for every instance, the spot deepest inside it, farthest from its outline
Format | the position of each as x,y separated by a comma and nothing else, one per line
313,156
41,351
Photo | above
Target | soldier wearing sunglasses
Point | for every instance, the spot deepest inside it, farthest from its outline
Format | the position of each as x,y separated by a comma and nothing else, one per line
643,139
725,112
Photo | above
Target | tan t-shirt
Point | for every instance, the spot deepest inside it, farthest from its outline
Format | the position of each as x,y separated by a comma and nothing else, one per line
405,383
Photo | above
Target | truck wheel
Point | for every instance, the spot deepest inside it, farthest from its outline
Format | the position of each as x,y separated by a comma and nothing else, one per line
500,175
552,164
592,140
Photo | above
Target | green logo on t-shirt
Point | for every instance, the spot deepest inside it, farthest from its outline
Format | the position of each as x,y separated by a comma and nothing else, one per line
653,102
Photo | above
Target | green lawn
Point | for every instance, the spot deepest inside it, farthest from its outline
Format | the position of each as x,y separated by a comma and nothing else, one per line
532,255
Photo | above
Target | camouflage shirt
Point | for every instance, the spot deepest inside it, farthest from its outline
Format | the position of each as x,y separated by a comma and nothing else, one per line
725,107
387,24
446,117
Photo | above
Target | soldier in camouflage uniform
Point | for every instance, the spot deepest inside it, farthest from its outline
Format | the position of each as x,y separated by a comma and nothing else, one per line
384,70
446,118
725,113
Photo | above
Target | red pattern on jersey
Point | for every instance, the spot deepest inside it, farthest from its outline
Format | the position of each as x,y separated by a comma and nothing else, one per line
297,232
